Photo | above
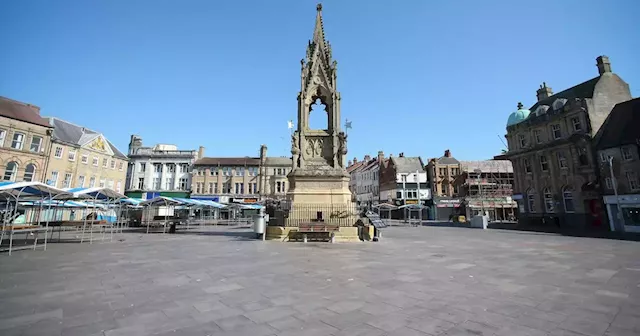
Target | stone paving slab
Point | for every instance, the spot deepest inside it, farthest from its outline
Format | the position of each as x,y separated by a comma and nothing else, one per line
415,281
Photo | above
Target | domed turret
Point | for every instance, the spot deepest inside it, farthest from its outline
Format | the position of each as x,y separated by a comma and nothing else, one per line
518,116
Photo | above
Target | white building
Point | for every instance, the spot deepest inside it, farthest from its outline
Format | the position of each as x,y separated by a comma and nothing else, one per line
161,170
401,179
365,180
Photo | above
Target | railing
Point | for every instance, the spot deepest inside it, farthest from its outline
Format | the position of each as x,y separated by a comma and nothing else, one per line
336,214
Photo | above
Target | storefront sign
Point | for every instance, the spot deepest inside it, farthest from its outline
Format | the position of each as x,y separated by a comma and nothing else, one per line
250,200
411,202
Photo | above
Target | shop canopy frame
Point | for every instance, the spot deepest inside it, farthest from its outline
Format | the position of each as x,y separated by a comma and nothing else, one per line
108,197
15,192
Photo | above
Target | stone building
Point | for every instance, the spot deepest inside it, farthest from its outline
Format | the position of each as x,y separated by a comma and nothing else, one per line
161,170
366,179
226,180
352,168
550,146
618,153
272,181
81,157
25,141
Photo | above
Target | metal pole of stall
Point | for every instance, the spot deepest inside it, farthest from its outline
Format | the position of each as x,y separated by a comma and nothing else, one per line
614,182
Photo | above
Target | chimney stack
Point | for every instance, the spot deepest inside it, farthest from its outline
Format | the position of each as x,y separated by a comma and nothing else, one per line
201,152
380,156
355,160
349,163
544,92
447,153
604,66
367,158
401,154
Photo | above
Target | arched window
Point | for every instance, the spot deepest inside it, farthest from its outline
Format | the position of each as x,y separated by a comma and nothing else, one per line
548,200
11,171
567,197
29,172
531,200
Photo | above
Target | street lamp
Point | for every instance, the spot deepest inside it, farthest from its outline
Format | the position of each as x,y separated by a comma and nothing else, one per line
479,172
614,182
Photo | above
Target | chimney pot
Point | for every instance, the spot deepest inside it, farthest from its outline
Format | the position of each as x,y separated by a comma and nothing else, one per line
349,163
544,92
401,154
380,156
447,153
367,157
355,160
603,63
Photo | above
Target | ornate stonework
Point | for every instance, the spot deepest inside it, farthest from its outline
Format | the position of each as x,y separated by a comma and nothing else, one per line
319,175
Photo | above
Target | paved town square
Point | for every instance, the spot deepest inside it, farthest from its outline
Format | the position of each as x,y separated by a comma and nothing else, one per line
415,281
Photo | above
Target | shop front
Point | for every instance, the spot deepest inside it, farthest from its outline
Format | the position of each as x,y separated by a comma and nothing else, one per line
623,212
447,208
497,208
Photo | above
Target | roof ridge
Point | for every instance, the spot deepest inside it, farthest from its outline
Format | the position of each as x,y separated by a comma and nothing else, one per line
19,102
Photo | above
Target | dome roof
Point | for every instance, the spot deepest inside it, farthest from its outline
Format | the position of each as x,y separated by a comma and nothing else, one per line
518,116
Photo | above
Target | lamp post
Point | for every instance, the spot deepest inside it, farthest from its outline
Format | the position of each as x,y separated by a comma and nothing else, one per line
614,182
479,172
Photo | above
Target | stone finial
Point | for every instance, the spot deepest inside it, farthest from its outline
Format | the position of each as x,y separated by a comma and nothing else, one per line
520,106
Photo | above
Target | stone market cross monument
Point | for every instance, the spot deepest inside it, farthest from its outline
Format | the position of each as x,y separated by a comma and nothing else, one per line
319,178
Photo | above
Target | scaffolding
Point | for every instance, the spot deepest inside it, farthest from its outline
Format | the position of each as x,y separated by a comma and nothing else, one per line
488,189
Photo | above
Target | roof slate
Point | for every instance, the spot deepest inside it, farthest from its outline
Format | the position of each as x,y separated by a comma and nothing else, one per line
408,164
582,90
230,161
71,133
278,161
622,126
447,160
14,109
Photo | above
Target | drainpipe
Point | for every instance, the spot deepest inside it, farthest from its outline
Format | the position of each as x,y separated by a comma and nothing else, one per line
48,155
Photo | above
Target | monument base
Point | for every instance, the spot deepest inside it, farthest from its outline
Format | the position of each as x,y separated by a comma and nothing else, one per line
282,233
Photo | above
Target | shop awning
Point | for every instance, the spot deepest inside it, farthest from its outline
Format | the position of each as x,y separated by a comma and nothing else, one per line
96,193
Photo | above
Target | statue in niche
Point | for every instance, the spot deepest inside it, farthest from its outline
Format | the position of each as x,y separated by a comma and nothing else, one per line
342,149
295,148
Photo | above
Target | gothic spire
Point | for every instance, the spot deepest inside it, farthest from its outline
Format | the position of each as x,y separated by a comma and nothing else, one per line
318,31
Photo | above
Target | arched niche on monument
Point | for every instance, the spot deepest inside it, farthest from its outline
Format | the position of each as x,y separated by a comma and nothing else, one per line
318,115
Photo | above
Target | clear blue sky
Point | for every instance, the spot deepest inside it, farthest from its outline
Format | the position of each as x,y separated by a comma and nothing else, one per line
416,76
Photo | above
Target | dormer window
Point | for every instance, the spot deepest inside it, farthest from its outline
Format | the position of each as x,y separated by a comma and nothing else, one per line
522,140
558,104
542,109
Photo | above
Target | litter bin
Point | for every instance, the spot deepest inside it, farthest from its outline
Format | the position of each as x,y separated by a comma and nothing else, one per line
259,225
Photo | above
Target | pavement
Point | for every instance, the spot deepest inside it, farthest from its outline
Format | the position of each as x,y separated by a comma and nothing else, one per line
415,281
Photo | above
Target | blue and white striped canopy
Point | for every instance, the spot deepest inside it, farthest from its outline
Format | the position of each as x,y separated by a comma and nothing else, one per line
30,190
96,193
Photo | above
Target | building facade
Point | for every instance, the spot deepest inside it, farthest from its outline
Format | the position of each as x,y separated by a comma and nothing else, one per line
84,158
365,180
618,153
442,174
550,146
352,167
403,181
25,141
226,180
161,170
487,187
272,182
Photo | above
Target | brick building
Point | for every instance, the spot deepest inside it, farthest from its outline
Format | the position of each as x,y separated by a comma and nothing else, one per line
441,174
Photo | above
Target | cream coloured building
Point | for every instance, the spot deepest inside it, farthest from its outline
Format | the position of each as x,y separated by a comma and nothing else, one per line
25,139
273,182
81,157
